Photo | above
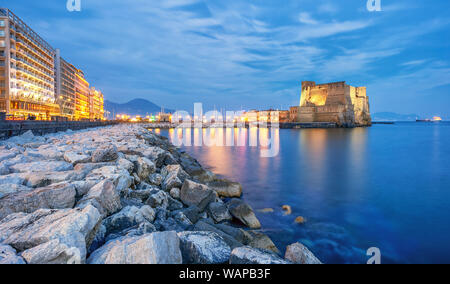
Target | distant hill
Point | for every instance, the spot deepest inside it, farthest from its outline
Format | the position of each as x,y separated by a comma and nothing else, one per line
391,116
140,107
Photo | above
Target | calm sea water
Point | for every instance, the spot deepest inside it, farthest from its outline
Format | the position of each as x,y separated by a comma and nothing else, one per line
387,186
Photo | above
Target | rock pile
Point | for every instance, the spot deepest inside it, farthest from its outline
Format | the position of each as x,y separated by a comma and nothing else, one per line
119,195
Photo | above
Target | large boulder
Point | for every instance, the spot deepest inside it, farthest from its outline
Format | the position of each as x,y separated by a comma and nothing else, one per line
173,177
244,213
195,194
105,154
53,252
154,248
262,241
144,168
8,255
58,196
226,188
104,197
203,248
203,226
126,164
75,228
158,199
219,212
128,217
249,255
76,157
41,166
299,254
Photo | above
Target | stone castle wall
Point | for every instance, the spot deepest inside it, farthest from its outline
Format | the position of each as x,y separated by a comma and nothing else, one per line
334,102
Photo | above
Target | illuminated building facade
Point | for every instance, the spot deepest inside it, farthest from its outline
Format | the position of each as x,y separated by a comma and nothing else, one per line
27,77
82,93
35,82
96,104
65,86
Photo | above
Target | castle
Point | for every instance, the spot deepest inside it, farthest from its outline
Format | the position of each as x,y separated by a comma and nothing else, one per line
345,105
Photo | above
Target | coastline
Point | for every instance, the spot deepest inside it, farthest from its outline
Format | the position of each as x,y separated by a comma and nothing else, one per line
121,194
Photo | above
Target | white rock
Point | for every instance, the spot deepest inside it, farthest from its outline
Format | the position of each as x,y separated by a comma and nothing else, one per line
154,248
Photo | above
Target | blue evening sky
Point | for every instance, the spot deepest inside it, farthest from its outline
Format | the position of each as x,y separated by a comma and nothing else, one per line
254,54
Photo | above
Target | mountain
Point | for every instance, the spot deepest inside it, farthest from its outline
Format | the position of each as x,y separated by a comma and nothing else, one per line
140,107
391,116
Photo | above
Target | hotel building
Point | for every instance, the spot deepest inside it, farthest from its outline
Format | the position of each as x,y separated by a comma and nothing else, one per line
96,104
27,76
36,82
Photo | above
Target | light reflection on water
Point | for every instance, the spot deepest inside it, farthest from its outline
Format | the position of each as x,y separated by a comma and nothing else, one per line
385,186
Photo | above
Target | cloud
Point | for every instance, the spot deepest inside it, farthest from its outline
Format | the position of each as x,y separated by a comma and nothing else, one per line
306,18
238,52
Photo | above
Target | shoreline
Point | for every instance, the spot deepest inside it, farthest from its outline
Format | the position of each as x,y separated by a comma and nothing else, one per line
125,187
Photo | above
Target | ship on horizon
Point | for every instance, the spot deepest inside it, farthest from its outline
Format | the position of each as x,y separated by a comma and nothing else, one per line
435,119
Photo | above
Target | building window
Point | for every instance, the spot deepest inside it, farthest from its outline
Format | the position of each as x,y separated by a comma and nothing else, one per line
2,33
2,43
2,23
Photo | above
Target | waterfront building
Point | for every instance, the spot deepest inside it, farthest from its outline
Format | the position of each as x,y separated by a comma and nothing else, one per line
82,97
65,86
36,82
337,102
96,103
27,77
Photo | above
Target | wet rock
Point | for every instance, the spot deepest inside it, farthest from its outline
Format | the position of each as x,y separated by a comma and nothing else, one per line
203,248
206,227
249,255
173,176
300,220
238,234
76,158
58,196
244,213
155,248
42,166
8,256
144,168
287,210
200,195
104,197
226,188
299,254
219,212
262,241
105,154
72,227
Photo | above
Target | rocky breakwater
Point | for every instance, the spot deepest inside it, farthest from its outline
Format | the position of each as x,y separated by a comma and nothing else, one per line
119,195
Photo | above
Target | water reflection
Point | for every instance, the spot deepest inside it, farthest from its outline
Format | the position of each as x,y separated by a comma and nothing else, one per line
385,186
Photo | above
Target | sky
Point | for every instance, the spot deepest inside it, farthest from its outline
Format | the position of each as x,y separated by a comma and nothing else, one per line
235,54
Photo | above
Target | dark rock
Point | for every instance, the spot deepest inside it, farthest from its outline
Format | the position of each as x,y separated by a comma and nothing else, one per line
244,213
200,195
203,248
